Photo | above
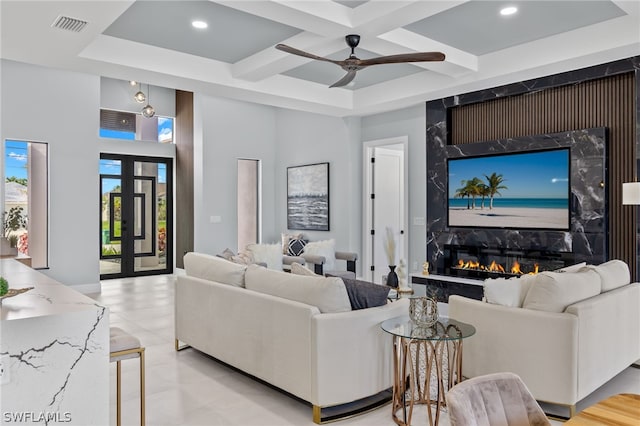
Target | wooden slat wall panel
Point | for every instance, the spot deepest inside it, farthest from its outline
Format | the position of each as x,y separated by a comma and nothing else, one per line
184,175
607,102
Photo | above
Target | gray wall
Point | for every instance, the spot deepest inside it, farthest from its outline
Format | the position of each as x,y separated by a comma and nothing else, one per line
412,123
62,109
306,138
229,130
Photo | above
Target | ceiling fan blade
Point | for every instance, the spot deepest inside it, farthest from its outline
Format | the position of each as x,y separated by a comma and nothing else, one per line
345,80
302,53
403,57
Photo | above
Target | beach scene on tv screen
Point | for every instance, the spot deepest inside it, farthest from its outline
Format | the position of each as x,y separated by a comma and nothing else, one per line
521,190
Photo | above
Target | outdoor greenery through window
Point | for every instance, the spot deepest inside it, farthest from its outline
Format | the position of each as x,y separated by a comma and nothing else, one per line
25,212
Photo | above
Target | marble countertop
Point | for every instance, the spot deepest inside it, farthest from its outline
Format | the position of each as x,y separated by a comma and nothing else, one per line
48,297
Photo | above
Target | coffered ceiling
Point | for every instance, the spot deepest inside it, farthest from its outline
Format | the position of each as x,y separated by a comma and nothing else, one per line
235,56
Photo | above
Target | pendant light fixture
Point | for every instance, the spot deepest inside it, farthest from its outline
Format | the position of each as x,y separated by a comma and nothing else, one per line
148,111
139,96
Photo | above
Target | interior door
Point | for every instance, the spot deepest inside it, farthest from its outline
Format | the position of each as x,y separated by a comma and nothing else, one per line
388,208
136,216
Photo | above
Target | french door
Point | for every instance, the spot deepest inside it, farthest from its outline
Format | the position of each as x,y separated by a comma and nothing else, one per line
136,216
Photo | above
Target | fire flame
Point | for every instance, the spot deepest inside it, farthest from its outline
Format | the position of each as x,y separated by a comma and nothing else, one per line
495,267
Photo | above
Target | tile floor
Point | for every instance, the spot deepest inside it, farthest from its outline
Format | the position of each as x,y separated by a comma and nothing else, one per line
190,388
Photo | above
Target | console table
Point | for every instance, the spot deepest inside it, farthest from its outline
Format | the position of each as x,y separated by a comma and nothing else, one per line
420,354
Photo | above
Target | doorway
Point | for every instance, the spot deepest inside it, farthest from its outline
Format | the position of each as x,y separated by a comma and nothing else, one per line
385,206
136,216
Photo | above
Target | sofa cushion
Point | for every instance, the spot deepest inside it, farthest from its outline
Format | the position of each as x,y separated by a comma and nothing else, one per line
572,268
299,269
214,268
507,292
325,248
327,294
554,291
364,294
269,254
613,274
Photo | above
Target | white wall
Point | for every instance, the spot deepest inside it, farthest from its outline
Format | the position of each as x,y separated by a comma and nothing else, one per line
62,109
307,138
226,130
412,123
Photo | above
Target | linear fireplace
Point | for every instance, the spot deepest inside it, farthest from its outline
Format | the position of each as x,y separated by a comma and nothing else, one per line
492,262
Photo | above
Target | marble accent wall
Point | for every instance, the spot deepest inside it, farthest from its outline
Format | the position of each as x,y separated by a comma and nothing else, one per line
585,244
587,236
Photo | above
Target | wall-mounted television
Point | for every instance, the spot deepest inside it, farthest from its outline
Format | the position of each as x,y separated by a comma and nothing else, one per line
521,190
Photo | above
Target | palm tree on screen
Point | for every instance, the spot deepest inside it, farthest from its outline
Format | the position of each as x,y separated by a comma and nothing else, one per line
462,192
495,184
473,188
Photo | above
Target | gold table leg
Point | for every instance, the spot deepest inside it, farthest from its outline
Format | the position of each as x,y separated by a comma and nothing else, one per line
415,363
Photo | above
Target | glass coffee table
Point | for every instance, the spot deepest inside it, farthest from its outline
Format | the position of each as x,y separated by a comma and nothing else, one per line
427,361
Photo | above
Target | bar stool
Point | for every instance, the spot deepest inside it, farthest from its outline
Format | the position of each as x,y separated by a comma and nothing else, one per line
125,346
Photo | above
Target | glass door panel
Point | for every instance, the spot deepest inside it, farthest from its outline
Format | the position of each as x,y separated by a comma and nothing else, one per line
111,225
135,227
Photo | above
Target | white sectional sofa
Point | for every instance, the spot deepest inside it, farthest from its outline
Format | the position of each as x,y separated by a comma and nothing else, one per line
565,334
295,332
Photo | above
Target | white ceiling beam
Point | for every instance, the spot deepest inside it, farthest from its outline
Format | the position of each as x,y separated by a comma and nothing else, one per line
377,17
327,25
271,61
458,59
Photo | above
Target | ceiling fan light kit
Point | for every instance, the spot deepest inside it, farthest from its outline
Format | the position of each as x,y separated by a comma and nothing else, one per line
353,64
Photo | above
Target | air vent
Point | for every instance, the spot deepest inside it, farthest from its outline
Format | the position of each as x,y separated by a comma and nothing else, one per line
69,24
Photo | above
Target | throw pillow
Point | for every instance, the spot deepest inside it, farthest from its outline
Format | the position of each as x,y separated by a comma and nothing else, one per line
363,294
327,294
613,274
214,268
227,254
554,291
572,268
325,248
507,292
296,247
285,238
299,269
269,254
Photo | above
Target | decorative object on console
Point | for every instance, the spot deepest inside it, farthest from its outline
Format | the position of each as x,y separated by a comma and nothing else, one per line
308,197
403,285
392,277
390,249
425,268
423,311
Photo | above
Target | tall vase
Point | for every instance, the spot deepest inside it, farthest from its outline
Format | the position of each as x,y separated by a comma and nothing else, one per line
392,277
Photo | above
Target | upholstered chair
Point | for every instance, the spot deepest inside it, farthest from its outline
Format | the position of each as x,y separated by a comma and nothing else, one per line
319,264
500,399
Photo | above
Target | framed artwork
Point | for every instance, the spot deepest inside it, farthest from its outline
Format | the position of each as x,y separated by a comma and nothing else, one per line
308,197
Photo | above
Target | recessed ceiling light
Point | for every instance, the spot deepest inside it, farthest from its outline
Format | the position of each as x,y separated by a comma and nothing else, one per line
132,82
506,11
199,24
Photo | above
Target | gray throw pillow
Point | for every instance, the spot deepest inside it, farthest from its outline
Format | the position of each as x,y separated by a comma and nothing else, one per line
363,294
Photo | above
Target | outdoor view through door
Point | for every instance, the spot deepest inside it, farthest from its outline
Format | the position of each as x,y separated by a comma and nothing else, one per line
136,216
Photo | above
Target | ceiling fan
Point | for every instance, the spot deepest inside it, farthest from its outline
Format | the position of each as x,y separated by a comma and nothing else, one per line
352,64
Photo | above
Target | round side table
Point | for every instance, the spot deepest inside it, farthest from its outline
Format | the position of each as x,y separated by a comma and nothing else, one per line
420,354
